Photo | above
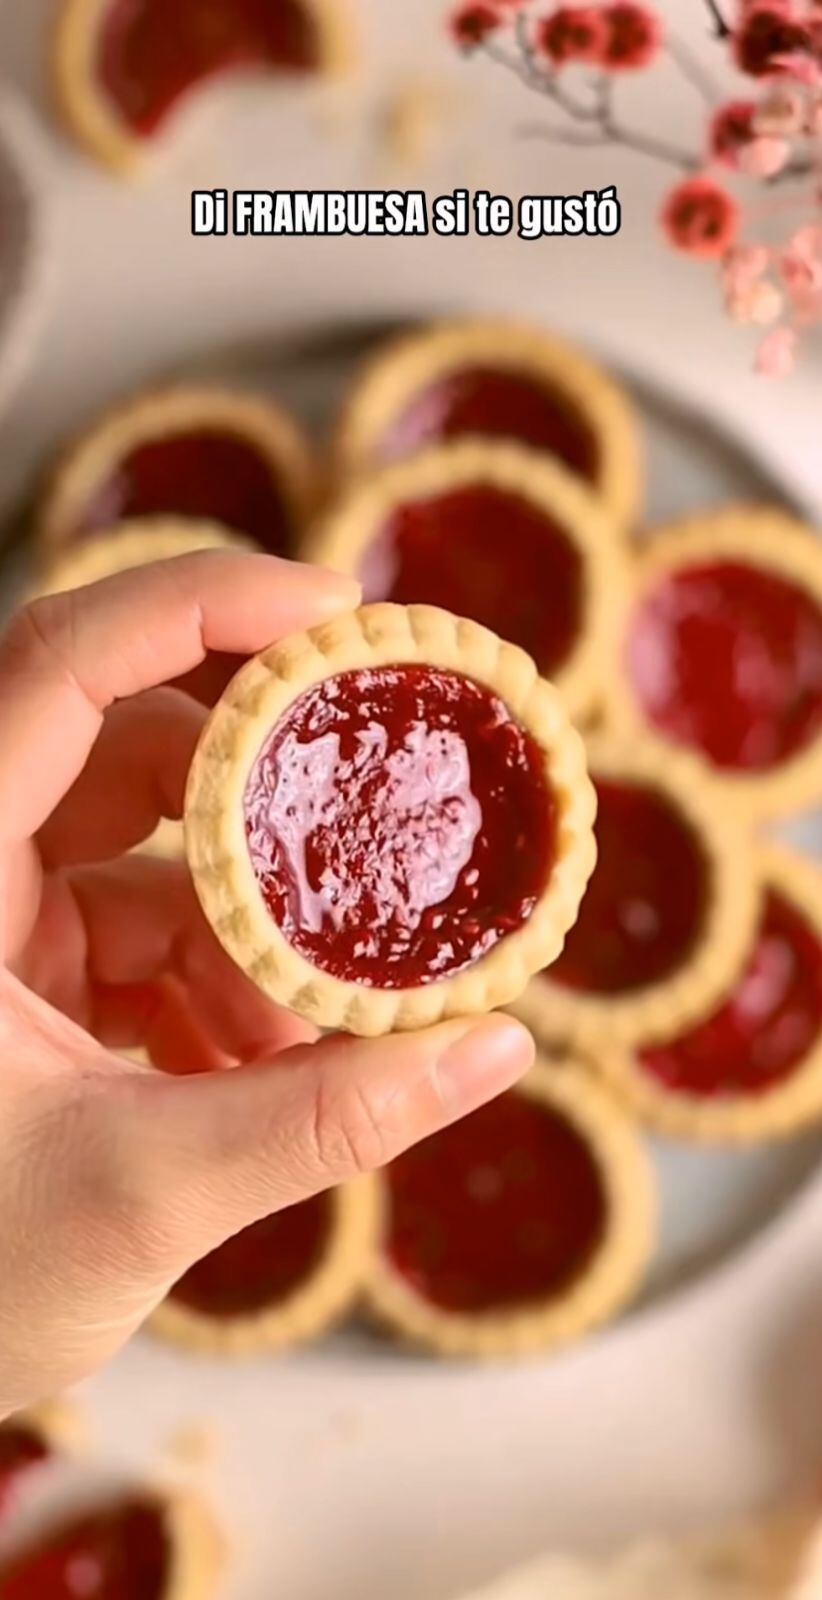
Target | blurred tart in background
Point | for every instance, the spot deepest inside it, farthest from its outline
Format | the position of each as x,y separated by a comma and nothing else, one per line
491,531
124,69
670,912
520,1228
502,380
750,1069
145,1545
279,1283
196,452
720,652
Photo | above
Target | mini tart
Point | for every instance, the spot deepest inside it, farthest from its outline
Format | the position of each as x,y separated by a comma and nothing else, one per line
402,773
724,602
520,1228
495,532
280,1283
498,379
189,453
146,1545
670,912
750,1069
29,1440
121,71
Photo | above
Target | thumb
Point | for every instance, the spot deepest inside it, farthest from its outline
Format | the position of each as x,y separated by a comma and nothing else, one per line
220,1151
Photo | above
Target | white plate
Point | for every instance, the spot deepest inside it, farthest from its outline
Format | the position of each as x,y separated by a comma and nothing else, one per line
353,1469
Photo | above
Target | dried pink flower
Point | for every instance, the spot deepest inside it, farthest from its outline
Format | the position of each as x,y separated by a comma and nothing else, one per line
764,157
700,218
776,356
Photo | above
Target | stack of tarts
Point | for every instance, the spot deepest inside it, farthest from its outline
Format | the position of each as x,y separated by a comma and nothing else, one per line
533,771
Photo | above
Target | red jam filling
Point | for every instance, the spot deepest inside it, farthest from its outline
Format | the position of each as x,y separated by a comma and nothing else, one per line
487,554
261,1266
21,1448
118,1554
400,824
499,403
152,53
767,1026
728,658
644,909
500,1210
208,475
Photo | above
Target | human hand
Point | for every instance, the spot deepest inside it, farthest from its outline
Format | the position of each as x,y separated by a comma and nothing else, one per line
114,1177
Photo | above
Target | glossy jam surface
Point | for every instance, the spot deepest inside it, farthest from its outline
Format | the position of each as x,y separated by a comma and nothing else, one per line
728,658
499,403
644,910
487,554
767,1026
120,1554
210,475
261,1266
151,54
21,1448
400,824
500,1210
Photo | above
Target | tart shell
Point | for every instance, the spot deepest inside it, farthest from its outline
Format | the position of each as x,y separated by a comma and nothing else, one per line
410,363
94,120
761,537
556,1014
197,1554
611,1278
134,543
776,1113
215,834
304,1315
162,413
343,539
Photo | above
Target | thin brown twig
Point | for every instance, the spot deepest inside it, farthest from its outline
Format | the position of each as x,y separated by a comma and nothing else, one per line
691,68
720,26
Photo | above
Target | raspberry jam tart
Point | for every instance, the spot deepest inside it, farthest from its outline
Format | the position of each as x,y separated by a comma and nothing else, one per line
145,1546
669,913
125,68
750,1068
28,1441
492,532
189,453
721,653
519,1228
389,820
279,1283
503,381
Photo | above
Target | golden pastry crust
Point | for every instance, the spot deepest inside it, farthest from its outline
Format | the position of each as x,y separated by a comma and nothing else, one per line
197,1553
609,1281
343,539
757,536
771,1114
54,1421
589,1020
89,460
96,122
310,1311
134,543
215,832
410,363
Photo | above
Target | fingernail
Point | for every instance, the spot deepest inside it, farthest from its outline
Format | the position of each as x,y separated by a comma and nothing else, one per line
486,1057
336,591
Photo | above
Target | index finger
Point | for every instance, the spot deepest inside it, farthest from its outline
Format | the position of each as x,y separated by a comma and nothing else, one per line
66,658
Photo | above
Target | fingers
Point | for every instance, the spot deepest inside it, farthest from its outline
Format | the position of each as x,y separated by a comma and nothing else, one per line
143,925
229,1148
135,775
66,658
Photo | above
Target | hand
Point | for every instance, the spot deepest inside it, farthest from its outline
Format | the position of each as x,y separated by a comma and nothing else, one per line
116,1177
